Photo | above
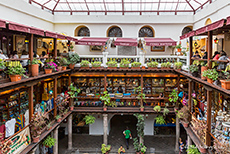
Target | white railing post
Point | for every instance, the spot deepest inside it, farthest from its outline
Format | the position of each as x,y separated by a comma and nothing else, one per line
188,59
105,55
142,58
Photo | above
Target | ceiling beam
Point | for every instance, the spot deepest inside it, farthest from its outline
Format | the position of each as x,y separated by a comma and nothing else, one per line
119,2
190,6
71,13
158,7
105,7
40,5
177,7
202,5
123,7
140,7
55,6
124,11
45,4
87,6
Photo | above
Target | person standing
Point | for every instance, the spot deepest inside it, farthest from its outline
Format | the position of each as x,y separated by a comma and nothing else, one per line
24,55
127,134
2,56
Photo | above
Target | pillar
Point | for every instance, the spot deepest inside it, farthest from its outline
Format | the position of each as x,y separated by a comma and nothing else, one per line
177,134
142,58
31,49
31,101
105,55
55,96
209,49
70,140
105,127
105,82
55,48
55,148
209,106
190,95
190,50
189,141
142,85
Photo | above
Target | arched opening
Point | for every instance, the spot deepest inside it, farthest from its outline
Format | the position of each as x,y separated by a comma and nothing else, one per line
208,21
82,31
146,31
114,31
186,30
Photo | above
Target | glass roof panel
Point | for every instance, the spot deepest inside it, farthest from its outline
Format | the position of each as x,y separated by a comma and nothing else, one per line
123,6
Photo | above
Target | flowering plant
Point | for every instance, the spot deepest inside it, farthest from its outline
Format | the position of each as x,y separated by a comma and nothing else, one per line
51,65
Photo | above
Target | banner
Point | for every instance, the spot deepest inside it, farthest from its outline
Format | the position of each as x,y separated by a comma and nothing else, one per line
20,141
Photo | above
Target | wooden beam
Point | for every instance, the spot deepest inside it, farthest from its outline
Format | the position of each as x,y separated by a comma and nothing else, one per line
105,82
209,49
209,107
55,48
190,49
31,104
142,84
190,95
31,50
55,96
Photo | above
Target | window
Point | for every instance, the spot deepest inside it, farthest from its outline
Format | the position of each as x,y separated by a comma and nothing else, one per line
186,30
114,32
82,31
146,32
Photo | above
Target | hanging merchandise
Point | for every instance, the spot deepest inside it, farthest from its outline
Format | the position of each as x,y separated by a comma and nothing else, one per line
20,122
2,132
10,127
26,115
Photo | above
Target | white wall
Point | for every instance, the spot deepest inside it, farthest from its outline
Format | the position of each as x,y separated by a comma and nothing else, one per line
22,12
149,125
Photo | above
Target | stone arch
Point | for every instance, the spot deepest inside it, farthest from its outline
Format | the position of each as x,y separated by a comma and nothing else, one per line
114,31
82,30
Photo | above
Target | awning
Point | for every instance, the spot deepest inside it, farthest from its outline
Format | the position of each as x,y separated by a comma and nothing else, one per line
125,42
19,27
92,41
2,23
69,38
60,36
189,34
210,27
160,42
51,34
36,31
228,21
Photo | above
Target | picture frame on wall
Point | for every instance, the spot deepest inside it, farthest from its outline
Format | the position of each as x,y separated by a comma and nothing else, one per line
158,48
96,48
20,44
39,43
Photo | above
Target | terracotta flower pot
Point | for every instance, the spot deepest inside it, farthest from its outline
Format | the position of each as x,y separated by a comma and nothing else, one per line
96,67
71,66
124,68
112,67
104,108
35,69
71,108
143,67
85,67
15,78
63,68
59,68
136,68
152,68
209,80
36,139
142,109
203,68
225,84
179,49
48,71
59,120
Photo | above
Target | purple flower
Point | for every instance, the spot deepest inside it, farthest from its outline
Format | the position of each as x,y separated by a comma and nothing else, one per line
193,95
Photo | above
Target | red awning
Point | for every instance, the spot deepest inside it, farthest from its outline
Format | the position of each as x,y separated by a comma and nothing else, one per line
51,34
189,34
228,21
210,27
125,42
69,38
92,41
2,23
160,42
19,27
60,36
36,31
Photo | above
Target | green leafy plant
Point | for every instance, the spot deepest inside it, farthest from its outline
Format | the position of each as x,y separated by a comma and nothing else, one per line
58,117
202,63
196,62
160,120
96,64
140,124
192,149
124,63
84,63
193,68
73,91
106,98
89,119
136,144
49,126
112,63
63,61
184,114
173,97
35,61
16,70
140,96
73,58
165,111
226,75
178,46
211,74
143,149
136,64
105,148
2,64
157,108
49,141
166,65
51,65
178,65
152,64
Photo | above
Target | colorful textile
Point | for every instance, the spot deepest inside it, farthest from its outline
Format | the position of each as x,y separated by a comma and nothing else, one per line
10,127
20,122
2,132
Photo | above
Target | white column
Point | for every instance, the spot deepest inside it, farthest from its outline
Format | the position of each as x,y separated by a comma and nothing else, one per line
105,124
142,58
70,140
105,55
177,134
188,59
55,148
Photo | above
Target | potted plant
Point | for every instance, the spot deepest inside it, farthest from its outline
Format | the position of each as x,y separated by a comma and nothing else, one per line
204,67
89,119
58,117
178,65
184,115
85,63
226,83
34,67
63,62
137,145
73,92
49,142
152,65
140,126
16,73
106,100
73,59
160,120
136,65
105,149
211,74
140,96
192,149
96,64
112,64
178,47
37,123
143,149
157,108
173,96
124,64
50,66
193,70
2,64
166,65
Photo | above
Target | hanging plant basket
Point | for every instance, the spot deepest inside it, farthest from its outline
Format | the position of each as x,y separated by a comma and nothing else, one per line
104,108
